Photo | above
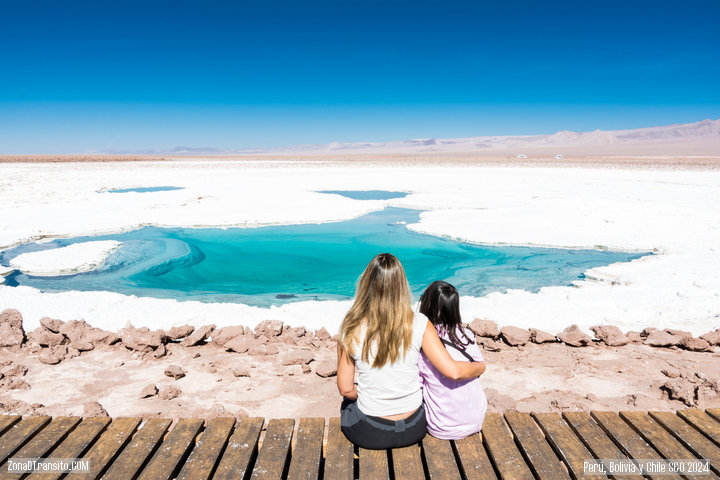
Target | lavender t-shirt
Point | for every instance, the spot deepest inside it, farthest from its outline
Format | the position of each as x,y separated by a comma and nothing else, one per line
454,409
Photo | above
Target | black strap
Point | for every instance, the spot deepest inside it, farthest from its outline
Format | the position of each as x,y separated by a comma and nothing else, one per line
465,354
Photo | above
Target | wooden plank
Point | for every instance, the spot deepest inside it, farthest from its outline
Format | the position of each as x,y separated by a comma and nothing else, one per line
19,434
138,450
714,412
7,421
338,453
594,437
659,438
275,450
305,463
240,451
473,460
107,447
541,458
502,450
208,447
373,464
703,422
166,459
439,458
407,462
628,440
75,444
44,441
693,440
568,447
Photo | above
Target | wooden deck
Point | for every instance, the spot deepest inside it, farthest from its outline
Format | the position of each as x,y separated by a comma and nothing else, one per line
512,446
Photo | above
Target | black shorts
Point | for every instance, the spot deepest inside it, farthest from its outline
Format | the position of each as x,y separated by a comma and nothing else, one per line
378,433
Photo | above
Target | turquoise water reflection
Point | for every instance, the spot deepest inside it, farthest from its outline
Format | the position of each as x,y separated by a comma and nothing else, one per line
274,265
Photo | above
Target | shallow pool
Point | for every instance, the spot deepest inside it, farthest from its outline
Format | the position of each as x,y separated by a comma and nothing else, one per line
275,265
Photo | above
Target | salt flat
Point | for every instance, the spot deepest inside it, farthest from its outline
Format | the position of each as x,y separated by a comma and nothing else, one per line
670,212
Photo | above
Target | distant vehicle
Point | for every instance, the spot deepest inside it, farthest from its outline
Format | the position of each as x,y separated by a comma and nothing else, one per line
522,155
558,156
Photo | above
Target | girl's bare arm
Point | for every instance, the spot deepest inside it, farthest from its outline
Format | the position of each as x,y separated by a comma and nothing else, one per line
435,351
345,374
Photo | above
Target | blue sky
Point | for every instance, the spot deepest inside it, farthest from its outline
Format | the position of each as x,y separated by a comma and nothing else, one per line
79,76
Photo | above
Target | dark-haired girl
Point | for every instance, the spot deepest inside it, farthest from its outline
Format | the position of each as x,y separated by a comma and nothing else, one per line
454,409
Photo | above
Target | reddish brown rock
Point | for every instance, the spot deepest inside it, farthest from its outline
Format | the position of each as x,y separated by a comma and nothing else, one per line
293,336
484,328
713,337
94,409
240,371
489,344
264,349
539,336
574,337
298,357
13,383
269,328
322,334
514,336
149,391
176,333
84,337
48,358
175,371
169,392
46,338
198,336
670,372
682,390
51,324
240,344
326,368
142,339
306,369
223,335
634,337
11,328
662,338
14,370
160,351
610,335
695,344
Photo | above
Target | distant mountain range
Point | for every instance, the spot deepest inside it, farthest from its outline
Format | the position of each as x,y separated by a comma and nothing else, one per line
699,138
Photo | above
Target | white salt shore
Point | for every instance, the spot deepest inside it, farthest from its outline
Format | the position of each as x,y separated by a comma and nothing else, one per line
671,213
75,258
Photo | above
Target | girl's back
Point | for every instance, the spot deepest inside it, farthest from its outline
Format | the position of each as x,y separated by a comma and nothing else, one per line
454,409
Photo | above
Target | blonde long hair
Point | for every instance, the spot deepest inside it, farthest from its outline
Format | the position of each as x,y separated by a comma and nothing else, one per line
382,305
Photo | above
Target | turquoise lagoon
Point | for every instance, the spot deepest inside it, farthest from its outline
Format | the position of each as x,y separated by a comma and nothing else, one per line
280,264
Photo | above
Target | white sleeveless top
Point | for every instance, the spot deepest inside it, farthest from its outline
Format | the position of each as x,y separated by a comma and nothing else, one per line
394,388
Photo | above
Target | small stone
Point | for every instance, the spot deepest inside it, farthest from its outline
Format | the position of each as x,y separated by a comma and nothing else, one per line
11,328
149,391
695,344
169,392
14,370
48,358
306,369
634,337
670,372
160,351
142,339
198,336
13,383
176,333
175,371
515,336
326,368
263,349
713,337
574,337
539,336
51,324
322,334
661,338
46,338
489,344
240,344
240,371
298,357
678,389
94,409
484,328
269,328
223,335
610,335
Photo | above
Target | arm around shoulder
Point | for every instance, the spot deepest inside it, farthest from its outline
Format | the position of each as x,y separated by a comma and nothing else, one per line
437,354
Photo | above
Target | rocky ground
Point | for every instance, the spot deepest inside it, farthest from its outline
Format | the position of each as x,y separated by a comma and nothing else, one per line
71,368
